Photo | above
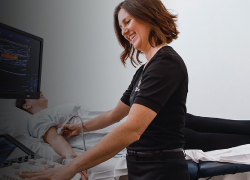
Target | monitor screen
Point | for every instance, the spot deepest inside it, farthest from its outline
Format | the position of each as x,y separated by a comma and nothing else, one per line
20,64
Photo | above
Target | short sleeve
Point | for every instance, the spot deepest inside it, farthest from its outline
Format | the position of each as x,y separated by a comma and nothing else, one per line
39,124
126,95
160,81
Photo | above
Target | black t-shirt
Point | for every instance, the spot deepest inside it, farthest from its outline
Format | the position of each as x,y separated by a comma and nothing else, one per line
162,86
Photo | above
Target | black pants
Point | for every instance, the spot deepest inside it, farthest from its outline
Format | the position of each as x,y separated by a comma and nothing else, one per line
158,168
207,133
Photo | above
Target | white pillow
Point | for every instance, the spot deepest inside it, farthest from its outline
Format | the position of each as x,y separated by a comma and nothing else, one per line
13,121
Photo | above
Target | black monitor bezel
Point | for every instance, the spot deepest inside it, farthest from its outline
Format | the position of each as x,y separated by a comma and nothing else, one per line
25,95
18,144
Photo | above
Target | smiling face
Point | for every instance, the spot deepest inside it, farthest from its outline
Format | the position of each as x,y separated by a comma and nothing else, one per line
134,31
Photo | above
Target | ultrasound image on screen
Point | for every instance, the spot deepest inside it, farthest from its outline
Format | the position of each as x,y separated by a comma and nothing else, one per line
18,69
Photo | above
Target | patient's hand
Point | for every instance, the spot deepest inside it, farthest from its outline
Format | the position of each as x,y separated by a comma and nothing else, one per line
71,129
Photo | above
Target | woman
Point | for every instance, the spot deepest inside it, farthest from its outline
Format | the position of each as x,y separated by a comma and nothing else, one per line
154,101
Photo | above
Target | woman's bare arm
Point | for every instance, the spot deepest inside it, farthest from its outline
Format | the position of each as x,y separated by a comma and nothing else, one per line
108,118
122,136
104,120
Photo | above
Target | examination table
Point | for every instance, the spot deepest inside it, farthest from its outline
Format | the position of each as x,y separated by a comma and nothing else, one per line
209,169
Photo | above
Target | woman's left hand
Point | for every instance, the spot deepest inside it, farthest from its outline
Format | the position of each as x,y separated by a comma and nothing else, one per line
58,173
71,130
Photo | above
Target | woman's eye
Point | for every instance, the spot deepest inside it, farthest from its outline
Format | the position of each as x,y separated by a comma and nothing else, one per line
128,21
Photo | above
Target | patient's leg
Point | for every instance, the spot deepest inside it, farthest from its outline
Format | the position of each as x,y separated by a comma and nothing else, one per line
217,125
213,141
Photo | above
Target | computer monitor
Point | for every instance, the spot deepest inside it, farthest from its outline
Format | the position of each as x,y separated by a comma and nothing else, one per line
20,64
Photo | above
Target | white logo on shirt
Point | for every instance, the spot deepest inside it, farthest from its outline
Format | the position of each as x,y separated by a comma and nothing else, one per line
138,86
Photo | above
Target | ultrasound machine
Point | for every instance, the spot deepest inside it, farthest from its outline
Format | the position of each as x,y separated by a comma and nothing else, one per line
20,77
20,64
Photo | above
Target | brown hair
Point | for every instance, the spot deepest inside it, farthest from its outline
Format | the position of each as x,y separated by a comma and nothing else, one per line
155,14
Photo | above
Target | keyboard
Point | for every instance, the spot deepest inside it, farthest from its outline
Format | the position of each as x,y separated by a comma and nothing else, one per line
11,170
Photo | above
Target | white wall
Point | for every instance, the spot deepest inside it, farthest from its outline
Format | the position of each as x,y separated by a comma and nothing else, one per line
81,54
215,44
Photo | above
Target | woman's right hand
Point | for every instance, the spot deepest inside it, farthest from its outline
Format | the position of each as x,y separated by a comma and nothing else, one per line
71,129
58,173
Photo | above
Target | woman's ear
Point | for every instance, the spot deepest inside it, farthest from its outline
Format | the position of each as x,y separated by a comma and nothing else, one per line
26,106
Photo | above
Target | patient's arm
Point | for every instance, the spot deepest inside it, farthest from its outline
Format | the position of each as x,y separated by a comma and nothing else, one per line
58,143
104,120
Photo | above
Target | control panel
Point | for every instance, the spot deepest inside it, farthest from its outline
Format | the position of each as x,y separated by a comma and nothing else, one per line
15,158
12,170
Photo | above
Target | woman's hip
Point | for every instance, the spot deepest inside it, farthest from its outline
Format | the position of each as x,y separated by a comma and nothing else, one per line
161,166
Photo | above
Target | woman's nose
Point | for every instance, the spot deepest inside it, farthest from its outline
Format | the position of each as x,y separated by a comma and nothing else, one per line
124,31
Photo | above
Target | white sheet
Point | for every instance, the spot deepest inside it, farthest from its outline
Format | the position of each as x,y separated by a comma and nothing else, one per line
239,154
238,176
108,170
